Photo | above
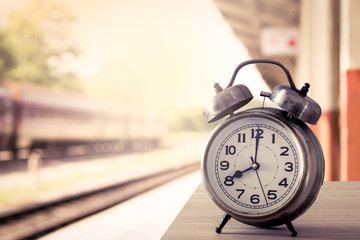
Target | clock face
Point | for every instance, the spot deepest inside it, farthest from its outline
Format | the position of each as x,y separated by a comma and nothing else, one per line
254,165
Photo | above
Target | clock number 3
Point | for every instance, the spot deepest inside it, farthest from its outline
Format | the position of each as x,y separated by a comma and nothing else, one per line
289,167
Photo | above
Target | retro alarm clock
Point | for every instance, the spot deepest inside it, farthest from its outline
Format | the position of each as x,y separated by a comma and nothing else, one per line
263,166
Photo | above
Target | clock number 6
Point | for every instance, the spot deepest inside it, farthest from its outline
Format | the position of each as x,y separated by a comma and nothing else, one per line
255,199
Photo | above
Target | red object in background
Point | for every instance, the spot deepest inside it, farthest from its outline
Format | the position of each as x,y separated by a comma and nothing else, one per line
292,42
339,132
328,132
350,126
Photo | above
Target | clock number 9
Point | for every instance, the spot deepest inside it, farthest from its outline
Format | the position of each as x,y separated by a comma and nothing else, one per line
224,165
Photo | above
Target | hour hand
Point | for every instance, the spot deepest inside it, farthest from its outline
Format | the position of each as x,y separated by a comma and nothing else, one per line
254,166
238,173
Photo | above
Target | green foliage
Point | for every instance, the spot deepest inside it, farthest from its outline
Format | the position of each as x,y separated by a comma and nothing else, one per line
35,43
70,81
7,60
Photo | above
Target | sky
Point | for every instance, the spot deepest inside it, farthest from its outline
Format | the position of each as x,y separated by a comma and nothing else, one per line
164,52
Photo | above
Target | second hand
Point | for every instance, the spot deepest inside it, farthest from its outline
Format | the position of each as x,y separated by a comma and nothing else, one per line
262,189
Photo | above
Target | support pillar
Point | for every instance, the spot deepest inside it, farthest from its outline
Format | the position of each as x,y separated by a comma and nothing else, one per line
318,64
350,90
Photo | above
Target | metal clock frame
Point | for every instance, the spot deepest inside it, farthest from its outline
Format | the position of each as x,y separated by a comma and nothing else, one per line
311,177
299,109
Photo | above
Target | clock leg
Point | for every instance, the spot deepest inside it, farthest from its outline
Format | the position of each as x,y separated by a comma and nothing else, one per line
224,220
291,228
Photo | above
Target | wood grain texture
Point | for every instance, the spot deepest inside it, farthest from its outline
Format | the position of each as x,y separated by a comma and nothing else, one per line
334,215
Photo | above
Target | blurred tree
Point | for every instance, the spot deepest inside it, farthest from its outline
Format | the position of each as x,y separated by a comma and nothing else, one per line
7,60
35,43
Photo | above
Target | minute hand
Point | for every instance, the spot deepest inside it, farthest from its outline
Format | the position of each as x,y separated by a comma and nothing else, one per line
257,144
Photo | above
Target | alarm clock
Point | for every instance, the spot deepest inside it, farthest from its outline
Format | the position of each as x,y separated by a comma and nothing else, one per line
263,166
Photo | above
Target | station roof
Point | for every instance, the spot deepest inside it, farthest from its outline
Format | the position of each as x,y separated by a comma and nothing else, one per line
249,18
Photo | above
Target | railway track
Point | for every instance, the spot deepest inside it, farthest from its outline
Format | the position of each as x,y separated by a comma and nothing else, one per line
39,220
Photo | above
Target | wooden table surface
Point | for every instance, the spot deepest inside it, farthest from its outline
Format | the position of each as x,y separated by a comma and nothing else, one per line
334,215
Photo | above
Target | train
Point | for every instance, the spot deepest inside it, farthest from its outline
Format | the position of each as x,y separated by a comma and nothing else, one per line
36,117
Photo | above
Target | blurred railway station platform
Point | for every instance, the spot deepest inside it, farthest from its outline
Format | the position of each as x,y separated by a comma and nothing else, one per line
65,177
144,217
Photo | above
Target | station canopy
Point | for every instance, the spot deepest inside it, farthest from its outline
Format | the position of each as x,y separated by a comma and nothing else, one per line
268,29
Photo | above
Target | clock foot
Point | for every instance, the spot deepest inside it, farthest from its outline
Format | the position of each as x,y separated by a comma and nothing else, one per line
224,220
291,228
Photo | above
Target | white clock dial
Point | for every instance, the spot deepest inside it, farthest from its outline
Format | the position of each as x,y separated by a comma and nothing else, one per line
254,165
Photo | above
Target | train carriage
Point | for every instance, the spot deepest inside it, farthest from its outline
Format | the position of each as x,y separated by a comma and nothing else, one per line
36,117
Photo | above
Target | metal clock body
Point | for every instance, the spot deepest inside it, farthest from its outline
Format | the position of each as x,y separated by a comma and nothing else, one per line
263,168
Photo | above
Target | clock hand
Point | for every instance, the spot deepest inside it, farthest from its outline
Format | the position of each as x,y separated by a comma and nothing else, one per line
254,166
262,188
238,173
256,145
